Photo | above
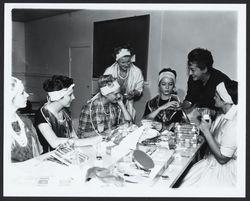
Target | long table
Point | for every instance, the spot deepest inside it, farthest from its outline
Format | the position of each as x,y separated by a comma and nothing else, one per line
40,174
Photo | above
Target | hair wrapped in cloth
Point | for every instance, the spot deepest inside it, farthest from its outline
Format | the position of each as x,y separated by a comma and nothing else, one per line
16,87
124,52
167,74
110,88
222,91
57,95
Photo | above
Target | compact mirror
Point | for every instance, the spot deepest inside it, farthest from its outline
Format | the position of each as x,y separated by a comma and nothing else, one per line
143,160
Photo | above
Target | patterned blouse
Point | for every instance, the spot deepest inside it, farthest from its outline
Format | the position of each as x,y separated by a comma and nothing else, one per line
32,149
95,114
164,116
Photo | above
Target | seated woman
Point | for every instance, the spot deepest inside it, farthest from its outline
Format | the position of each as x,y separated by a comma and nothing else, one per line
128,76
25,144
104,111
52,121
218,168
162,107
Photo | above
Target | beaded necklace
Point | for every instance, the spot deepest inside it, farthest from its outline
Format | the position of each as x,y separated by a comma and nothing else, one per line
119,74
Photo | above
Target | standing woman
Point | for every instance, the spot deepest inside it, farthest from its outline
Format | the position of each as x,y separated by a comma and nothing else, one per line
104,111
53,121
219,167
161,107
25,144
128,75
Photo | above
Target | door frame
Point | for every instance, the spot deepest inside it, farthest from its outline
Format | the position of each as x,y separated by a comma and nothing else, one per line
76,45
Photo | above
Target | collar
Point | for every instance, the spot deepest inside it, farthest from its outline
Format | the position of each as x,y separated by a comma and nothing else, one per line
231,113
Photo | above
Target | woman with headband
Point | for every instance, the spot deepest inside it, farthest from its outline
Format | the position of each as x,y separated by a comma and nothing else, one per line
52,121
162,107
219,167
104,111
25,144
128,75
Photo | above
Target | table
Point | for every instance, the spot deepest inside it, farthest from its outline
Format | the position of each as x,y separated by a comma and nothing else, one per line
37,173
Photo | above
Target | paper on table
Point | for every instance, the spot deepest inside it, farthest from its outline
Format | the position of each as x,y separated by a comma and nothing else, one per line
127,144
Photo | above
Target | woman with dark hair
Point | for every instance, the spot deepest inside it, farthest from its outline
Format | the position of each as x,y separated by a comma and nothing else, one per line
162,107
128,76
219,166
25,144
104,111
53,121
203,79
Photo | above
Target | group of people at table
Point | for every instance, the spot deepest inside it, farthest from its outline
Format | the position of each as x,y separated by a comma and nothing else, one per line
119,86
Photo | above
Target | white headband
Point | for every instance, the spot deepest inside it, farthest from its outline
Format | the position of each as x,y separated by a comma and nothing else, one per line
167,74
57,95
221,90
124,52
18,88
110,88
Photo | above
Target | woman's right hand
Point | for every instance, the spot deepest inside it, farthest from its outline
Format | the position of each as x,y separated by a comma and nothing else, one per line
171,104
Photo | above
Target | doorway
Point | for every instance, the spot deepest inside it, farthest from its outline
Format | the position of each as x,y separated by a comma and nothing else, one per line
80,69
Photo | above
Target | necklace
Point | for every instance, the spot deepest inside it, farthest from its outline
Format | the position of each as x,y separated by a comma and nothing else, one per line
163,114
119,74
105,110
19,136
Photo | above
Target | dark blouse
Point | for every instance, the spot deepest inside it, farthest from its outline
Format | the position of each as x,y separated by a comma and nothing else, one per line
33,147
203,96
61,129
164,116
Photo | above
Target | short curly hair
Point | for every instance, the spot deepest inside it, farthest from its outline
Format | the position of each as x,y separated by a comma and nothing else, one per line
56,83
202,57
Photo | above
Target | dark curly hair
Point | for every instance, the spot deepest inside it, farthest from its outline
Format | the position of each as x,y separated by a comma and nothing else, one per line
202,57
57,82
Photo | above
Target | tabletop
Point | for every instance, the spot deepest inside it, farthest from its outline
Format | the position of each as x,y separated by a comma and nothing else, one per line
40,173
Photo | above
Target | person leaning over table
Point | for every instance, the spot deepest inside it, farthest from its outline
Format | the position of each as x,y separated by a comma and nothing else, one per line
203,79
128,76
104,111
25,144
219,167
53,121
161,108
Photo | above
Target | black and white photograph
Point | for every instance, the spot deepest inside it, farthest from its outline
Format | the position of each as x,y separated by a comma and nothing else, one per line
124,100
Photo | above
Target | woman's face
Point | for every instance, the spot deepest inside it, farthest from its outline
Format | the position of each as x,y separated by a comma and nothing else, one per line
218,101
196,72
124,62
68,98
166,86
113,97
20,100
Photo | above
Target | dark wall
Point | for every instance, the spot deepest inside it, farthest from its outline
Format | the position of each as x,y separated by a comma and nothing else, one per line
110,34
